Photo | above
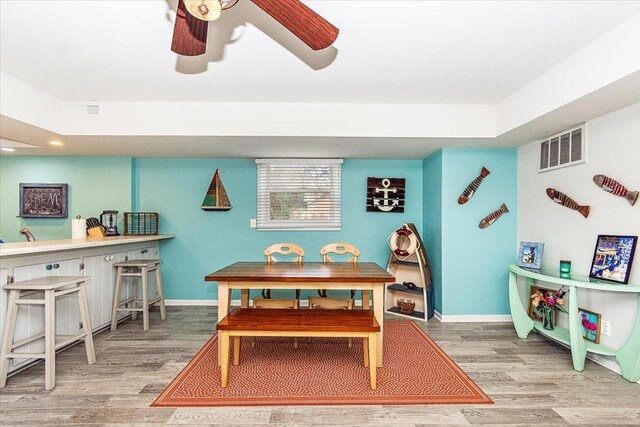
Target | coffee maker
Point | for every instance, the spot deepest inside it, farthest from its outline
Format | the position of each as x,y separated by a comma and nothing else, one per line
109,219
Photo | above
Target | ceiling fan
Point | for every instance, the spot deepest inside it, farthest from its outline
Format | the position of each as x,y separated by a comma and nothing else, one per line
193,16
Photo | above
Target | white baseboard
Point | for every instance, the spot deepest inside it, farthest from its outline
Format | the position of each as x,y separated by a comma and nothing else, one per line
358,303
214,303
469,318
194,302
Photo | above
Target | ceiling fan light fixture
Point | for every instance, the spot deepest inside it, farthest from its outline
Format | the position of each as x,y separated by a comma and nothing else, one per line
205,10
226,4
192,16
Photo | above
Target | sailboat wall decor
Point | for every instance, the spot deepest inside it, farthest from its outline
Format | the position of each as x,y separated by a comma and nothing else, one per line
216,198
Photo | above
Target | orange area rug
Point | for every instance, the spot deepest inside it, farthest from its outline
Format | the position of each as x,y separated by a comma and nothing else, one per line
325,372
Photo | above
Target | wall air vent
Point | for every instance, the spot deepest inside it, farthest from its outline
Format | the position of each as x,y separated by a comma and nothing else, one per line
93,109
563,149
83,110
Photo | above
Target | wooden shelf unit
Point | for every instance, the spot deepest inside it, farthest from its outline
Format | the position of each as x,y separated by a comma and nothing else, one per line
406,271
627,356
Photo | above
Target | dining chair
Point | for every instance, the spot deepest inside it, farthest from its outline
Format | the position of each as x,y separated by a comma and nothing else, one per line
289,252
324,303
332,251
272,303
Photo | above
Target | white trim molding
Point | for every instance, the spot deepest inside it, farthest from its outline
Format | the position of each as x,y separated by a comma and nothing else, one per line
214,303
193,302
472,318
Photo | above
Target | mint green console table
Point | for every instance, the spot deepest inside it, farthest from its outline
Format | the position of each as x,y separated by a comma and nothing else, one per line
627,356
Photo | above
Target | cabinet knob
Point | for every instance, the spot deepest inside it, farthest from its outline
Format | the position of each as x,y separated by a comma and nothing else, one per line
56,265
144,251
49,267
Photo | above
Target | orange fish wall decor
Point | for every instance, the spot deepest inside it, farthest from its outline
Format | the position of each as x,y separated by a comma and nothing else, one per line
473,187
614,187
566,201
491,218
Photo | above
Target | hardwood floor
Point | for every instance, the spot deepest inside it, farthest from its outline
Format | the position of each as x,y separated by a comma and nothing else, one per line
531,382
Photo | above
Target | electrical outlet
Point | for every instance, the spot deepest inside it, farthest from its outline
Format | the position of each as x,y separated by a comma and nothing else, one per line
253,223
606,328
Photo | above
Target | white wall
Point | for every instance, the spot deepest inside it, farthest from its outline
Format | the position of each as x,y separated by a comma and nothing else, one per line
613,149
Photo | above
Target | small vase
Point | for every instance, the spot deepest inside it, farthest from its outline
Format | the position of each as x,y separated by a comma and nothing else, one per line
547,318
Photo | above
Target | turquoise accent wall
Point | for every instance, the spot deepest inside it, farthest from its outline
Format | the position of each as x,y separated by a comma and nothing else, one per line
432,220
468,264
95,184
208,240
473,260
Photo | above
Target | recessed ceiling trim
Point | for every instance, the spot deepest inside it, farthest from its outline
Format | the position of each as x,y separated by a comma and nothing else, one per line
8,143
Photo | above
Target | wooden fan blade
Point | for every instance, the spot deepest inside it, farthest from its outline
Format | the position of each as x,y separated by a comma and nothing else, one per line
303,22
189,34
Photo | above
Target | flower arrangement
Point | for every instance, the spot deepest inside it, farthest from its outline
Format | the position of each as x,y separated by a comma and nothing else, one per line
545,303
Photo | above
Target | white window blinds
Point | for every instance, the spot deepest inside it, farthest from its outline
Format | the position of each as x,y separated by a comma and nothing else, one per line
299,194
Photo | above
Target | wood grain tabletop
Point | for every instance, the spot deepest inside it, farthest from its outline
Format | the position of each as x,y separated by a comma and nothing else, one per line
305,272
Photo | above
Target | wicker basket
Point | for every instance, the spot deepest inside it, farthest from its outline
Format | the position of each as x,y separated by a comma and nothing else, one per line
140,223
405,307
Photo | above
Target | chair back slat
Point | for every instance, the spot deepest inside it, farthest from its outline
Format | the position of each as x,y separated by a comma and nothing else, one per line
284,250
339,248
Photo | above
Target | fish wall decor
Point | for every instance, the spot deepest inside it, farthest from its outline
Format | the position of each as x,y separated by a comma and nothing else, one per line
566,201
490,219
473,187
614,187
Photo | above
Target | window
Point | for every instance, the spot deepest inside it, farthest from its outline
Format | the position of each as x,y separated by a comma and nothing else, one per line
299,194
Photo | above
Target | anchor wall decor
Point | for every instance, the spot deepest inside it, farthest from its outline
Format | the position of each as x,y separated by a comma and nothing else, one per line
385,194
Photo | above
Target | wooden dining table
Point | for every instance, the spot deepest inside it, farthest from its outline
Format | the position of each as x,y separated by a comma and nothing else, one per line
363,276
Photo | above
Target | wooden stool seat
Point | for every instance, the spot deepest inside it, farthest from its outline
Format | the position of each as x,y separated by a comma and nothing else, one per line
137,269
25,293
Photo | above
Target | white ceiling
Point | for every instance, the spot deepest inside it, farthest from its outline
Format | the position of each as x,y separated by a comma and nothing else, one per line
387,52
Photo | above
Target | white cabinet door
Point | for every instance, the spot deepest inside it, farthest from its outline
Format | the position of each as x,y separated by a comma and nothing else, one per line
30,320
101,289
150,252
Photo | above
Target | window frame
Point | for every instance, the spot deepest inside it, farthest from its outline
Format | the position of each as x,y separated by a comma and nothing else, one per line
264,191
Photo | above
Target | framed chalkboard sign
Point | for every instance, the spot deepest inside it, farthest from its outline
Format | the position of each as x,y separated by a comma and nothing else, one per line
43,200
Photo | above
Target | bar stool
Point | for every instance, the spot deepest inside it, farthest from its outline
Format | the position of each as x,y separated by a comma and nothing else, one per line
52,287
137,269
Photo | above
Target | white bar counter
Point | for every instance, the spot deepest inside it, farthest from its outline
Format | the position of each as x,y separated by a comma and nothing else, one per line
93,257
46,246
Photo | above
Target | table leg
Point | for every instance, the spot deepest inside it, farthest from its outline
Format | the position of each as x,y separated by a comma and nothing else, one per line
224,358
372,362
378,312
365,299
223,310
244,298
365,351
236,351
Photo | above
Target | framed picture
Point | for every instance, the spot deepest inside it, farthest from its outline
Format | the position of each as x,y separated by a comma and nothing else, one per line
43,200
612,258
530,255
532,310
385,194
590,325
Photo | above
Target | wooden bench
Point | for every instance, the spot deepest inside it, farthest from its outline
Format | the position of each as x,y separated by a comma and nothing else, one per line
297,323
